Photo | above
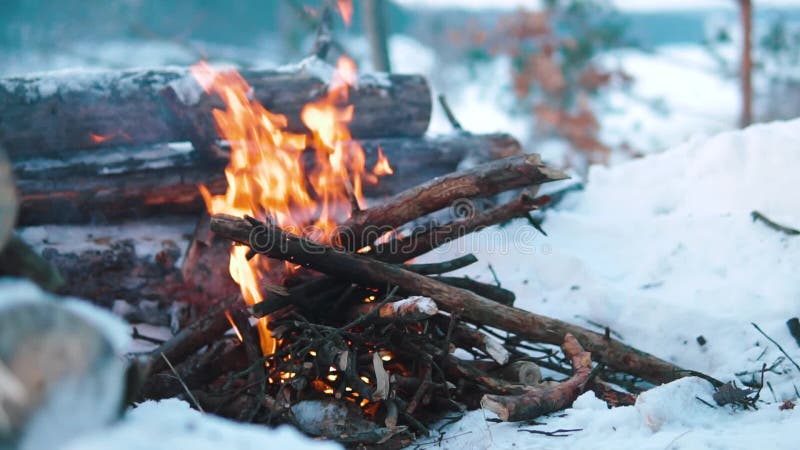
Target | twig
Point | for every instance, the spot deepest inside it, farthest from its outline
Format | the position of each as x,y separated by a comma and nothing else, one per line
449,113
138,336
185,388
774,225
705,402
442,267
561,432
776,344
494,275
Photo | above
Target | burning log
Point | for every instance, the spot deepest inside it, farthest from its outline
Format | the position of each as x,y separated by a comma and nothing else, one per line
50,113
134,182
530,405
276,243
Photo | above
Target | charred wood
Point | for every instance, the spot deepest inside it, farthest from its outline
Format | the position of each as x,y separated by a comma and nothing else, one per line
278,244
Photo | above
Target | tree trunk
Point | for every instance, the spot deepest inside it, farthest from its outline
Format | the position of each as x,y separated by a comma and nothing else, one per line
377,33
746,69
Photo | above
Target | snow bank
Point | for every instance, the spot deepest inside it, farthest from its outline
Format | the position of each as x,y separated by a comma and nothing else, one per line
663,250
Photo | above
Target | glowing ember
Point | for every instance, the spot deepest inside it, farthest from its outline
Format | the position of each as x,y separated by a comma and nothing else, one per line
267,177
346,10
100,138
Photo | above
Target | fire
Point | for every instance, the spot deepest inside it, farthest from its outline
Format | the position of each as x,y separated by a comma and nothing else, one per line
346,10
382,167
267,177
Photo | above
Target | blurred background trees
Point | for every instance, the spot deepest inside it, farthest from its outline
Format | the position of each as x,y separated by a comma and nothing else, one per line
579,80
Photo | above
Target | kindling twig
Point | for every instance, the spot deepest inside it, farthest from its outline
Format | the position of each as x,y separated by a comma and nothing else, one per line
774,225
449,113
776,344
185,387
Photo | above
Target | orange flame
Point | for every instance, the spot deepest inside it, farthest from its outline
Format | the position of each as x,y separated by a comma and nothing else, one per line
382,166
346,10
266,174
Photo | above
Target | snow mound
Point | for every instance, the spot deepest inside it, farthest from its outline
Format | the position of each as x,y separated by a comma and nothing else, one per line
663,250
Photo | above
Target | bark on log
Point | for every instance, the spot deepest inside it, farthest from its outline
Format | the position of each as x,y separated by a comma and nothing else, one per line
278,244
530,405
480,181
132,182
417,244
8,200
412,309
50,113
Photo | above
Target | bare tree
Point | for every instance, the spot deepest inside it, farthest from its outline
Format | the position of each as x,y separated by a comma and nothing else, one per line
377,33
746,64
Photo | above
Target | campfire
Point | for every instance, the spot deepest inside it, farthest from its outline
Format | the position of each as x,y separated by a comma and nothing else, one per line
319,194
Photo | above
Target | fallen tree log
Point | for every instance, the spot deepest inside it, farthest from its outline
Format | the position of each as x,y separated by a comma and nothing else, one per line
133,182
530,405
49,113
276,243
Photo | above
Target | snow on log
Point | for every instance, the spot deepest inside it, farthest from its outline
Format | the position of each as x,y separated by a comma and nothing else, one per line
48,113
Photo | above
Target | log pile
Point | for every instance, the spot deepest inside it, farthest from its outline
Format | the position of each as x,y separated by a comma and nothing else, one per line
373,349
92,147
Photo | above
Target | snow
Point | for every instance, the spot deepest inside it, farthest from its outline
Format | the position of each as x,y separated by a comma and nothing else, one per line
663,250
172,424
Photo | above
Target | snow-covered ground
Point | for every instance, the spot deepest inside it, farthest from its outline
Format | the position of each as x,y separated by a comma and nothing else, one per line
663,250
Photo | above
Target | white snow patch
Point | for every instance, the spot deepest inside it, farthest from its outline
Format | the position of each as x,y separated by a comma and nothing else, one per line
171,424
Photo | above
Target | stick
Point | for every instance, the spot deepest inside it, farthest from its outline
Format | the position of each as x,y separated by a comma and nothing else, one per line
188,392
399,250
774,225
278,244
480,181
492,292
776,344
531,405
442,267
200,333
412,309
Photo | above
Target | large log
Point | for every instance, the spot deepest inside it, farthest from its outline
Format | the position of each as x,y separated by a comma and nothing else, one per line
130,182
49,113
276,243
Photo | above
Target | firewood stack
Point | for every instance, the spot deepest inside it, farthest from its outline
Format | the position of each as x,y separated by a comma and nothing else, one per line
99,146
372,348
